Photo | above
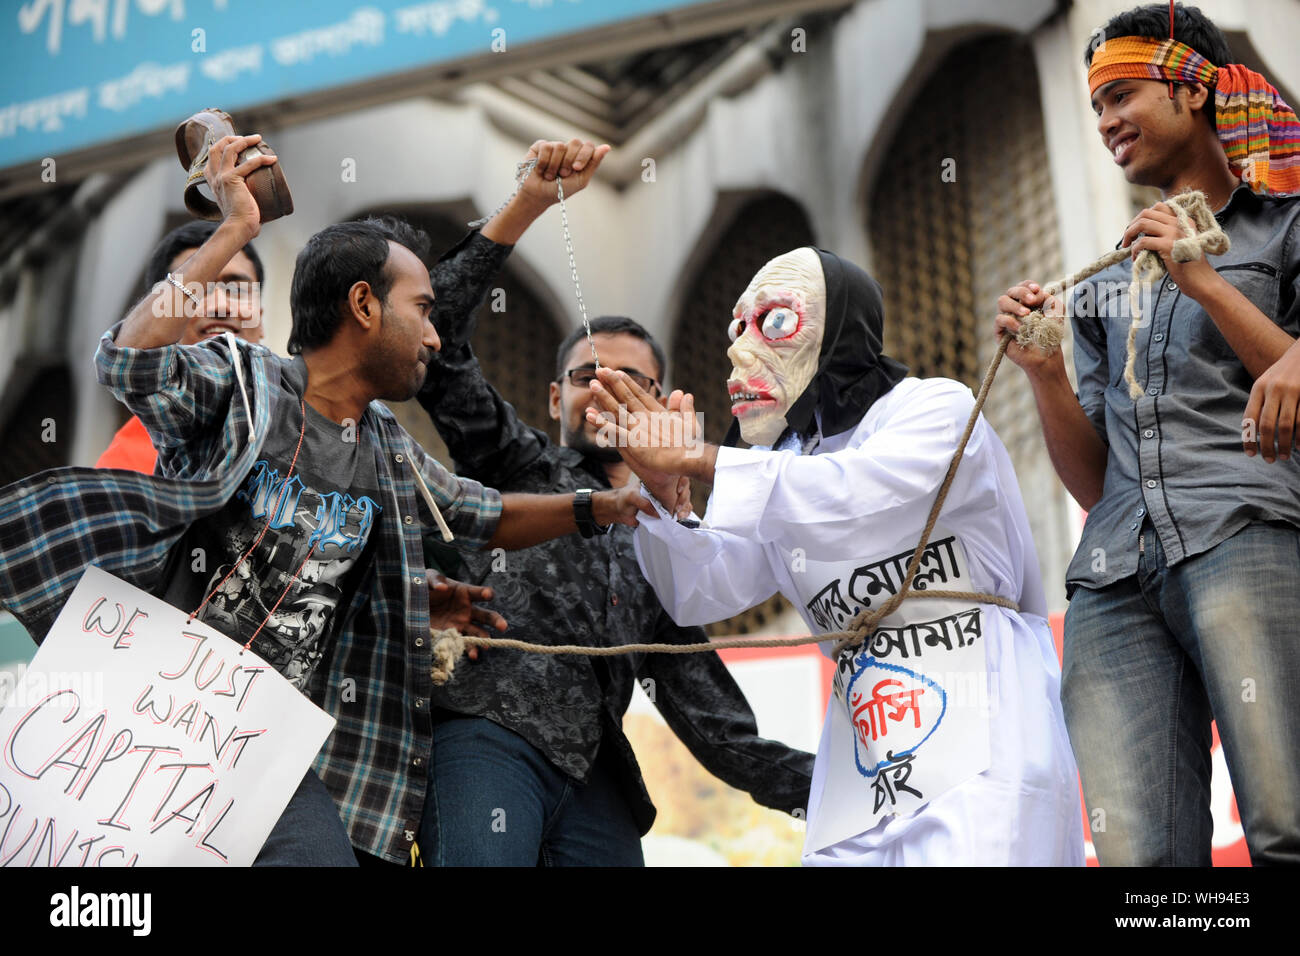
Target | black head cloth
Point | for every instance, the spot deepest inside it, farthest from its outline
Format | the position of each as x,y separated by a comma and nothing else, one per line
852,370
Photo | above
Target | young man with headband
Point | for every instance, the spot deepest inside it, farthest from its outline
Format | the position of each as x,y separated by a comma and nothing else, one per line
1186,585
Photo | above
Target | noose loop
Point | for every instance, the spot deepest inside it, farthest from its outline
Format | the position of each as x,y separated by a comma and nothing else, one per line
1202,236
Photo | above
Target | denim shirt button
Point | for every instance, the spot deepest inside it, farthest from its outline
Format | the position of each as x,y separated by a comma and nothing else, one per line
1133,526
1141,512
1149,433
1153,391
1159,336
1151,482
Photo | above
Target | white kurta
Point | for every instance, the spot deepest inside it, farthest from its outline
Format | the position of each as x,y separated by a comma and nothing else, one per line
876,483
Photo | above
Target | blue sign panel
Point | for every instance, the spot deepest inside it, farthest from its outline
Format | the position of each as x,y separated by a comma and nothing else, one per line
82,72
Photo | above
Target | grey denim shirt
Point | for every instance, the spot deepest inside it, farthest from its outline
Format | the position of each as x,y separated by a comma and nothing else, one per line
1175,456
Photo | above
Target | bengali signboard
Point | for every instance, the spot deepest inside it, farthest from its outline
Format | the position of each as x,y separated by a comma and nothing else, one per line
83,72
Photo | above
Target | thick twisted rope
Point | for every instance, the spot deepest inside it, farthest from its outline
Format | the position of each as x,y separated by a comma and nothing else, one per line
1202,235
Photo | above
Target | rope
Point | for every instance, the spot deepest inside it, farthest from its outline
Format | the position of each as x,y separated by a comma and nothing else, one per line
458,642
1201,235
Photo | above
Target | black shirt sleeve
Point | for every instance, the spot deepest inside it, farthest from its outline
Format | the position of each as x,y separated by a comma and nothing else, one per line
487,439
704,707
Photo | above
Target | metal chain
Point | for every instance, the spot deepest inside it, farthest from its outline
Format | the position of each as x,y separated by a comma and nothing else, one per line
573,271
522,172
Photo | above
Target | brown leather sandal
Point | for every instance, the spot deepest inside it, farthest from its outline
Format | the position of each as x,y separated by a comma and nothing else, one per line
195,137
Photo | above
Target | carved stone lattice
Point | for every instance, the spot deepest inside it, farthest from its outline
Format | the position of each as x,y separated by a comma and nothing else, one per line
946,246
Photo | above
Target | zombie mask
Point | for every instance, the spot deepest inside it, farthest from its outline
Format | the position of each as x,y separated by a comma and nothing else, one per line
806,340
776,336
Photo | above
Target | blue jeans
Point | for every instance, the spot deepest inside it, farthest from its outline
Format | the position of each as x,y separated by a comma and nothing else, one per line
1151,660
309,832
494,800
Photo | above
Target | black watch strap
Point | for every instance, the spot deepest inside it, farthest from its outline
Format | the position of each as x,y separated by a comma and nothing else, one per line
583,516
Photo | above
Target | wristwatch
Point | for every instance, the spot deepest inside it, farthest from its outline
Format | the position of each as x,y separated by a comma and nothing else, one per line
587,526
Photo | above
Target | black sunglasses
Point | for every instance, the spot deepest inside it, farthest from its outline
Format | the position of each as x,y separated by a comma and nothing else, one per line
583,376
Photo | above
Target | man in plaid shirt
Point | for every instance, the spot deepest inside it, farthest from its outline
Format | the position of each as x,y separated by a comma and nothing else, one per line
334,596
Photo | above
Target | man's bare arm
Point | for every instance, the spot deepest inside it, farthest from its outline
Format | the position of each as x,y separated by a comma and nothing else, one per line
1077,454
527,520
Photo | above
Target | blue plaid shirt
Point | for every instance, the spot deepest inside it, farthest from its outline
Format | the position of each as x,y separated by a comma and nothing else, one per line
377,685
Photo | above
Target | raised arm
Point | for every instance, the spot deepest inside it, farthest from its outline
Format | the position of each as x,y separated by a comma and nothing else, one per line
482,430
180,392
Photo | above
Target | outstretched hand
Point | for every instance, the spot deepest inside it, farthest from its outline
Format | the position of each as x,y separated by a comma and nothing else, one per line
661,443
453,605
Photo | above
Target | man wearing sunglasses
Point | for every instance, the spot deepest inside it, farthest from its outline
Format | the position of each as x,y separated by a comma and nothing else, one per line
530,765
623,344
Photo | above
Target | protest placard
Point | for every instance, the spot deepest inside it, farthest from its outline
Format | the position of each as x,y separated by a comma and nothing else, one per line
139,738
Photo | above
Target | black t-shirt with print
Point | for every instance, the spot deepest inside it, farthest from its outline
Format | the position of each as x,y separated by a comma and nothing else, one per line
317,521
